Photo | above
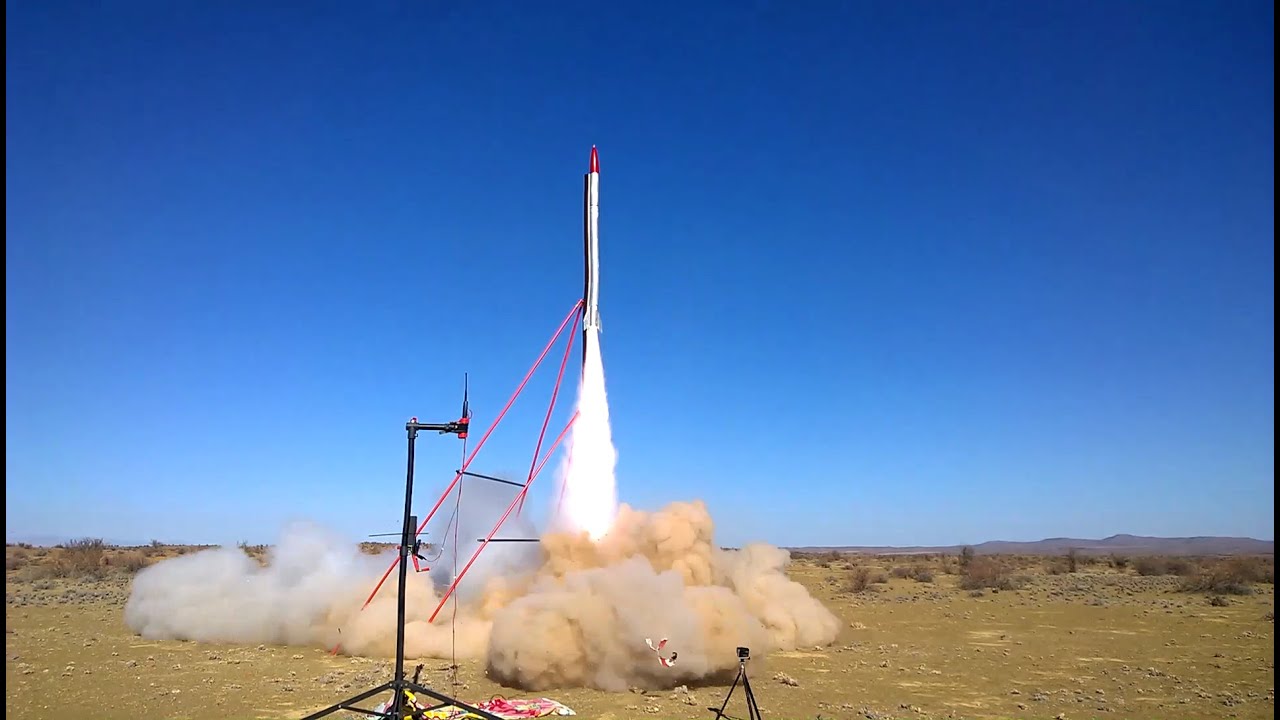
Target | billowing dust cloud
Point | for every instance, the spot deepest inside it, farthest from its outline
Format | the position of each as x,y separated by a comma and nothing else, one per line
567,612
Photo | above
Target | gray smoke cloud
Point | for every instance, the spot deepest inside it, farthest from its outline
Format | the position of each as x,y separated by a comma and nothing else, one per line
563,612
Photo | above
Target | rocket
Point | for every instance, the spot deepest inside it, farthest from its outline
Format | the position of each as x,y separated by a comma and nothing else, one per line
591,238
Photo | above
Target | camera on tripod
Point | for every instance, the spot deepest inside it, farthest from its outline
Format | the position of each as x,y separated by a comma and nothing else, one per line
753,710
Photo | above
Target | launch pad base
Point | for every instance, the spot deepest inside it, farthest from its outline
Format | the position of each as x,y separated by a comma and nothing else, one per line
407,711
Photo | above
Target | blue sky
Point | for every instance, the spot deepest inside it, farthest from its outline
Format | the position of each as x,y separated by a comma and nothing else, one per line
873,273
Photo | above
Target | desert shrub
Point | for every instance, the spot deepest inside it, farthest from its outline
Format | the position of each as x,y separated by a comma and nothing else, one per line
55,567
80,558
1119,562
948,565
1263,569
1027,562
15,558
1232,576
1073,560
252,550
1248,569
36,572
901,572
921,574
986,572
862,578
828,559
966,557
859,580
377,548
1163,566
1149,566
1205,582
130,562
1056,566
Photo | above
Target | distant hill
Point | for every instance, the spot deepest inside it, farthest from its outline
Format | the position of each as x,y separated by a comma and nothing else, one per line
1124,544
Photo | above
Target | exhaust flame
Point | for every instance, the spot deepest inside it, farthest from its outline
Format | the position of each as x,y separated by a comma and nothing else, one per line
590,498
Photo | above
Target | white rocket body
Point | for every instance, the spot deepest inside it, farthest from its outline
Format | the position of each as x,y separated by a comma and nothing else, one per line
591,233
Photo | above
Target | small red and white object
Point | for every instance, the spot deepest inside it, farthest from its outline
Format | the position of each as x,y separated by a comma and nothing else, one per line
657,650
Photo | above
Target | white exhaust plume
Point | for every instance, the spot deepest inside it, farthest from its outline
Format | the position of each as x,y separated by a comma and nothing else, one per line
590,496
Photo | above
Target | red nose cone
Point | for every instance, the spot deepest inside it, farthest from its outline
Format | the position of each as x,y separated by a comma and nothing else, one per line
595,160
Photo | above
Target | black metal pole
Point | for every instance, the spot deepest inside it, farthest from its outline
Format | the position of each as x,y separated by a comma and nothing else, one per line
406,548
408,533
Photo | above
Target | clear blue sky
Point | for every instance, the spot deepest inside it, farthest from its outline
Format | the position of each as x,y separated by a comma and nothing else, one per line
873,273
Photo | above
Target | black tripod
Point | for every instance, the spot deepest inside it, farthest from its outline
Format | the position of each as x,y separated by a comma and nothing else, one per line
399,707
753,710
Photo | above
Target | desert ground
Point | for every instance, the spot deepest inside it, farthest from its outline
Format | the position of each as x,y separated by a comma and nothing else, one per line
922,637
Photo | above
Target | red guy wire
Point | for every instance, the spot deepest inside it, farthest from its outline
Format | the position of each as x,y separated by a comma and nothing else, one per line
555,391
577,307
519,497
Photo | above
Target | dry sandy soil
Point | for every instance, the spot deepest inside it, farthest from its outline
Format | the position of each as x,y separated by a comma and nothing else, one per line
1099,643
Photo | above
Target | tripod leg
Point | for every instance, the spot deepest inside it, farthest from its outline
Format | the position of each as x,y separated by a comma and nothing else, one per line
349,701
753,710
720,713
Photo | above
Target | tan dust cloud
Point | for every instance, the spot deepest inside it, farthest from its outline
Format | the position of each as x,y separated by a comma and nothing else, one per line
568,613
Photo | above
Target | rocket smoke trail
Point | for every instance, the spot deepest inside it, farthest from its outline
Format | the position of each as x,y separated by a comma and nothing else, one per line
590,491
